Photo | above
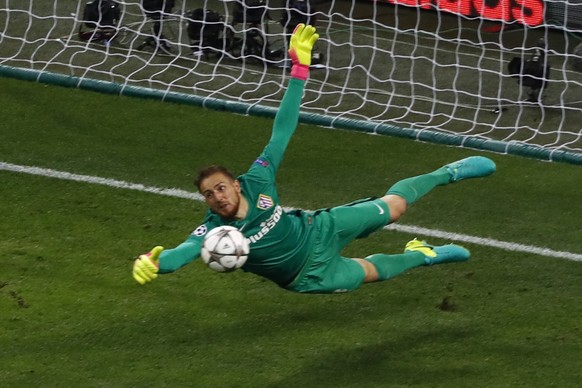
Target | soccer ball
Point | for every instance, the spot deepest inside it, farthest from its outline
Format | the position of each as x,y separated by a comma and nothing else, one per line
225,249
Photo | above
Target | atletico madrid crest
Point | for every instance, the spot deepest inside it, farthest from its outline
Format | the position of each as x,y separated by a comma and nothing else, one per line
265,202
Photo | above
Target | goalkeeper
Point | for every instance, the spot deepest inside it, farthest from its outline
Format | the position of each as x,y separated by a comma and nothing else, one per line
301,250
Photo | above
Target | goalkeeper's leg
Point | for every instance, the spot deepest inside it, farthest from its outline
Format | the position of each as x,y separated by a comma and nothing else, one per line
339,274
417,253
407,191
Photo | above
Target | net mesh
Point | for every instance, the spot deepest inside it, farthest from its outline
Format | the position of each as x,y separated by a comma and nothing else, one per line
509,73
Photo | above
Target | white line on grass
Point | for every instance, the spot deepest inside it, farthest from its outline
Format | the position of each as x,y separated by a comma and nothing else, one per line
100,181
198,197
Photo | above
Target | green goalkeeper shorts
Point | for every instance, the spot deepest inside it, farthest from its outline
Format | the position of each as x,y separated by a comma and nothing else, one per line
326,271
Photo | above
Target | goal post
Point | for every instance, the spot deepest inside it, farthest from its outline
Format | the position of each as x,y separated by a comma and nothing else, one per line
499,75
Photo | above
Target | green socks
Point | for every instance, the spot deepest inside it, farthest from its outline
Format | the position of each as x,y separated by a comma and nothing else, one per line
412,189
389,266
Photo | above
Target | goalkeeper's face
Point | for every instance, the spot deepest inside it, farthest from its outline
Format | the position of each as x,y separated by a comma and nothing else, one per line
222,194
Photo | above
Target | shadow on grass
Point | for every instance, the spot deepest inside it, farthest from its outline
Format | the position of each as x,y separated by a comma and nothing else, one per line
403,361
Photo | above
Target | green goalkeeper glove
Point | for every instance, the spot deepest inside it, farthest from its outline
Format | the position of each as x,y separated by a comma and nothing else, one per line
145,267
302,41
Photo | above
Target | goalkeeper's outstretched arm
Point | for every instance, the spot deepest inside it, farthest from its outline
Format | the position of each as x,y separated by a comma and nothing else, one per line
287,117
159,261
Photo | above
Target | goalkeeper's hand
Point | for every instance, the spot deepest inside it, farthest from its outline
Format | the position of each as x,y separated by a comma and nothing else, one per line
145,267
302,41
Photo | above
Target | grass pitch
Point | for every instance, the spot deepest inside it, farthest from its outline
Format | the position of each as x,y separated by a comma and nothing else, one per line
71,315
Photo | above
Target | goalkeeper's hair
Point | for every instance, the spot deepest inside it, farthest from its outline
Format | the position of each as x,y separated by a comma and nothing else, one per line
211,170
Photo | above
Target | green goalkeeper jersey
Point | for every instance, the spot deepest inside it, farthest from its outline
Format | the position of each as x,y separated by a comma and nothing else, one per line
279,240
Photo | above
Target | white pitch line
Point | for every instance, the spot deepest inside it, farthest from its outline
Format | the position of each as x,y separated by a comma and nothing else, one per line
177,193
99,181
508,246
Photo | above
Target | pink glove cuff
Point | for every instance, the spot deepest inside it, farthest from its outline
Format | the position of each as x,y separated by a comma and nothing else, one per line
300,71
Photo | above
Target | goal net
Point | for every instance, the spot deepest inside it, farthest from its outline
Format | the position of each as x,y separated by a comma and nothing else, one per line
506,73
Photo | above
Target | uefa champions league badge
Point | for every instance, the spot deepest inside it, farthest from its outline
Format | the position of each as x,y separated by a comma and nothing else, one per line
261,162
200,231
265,202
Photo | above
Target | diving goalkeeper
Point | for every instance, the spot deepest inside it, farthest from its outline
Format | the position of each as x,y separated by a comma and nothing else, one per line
301,250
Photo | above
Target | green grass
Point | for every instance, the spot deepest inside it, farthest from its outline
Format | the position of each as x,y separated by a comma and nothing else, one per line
71,315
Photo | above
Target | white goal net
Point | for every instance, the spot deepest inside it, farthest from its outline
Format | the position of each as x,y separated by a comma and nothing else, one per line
505,72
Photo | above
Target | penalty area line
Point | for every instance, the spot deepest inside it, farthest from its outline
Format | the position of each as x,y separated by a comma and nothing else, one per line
177,193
